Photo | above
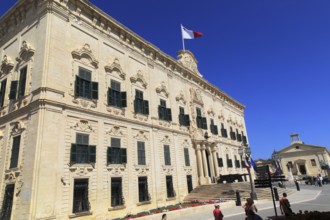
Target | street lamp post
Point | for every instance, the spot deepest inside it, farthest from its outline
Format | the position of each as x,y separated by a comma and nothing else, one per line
248,154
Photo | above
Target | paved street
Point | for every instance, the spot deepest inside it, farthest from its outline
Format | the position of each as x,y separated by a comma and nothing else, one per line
309,198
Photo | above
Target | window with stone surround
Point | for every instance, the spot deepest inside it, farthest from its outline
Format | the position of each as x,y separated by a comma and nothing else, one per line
116,154
117,198
169,187
213,128
201,121
80,196
223,131
141,153
81,151
232,134
84,87
167,155
163,112
184,120
2,92
15,152
313,162
141,106
17,87
189,183
115,96
7,203
143,189
186,157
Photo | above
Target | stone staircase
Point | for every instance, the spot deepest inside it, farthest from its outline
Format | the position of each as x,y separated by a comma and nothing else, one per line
228,192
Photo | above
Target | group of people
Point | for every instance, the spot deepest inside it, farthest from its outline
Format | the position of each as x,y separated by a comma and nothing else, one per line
251,209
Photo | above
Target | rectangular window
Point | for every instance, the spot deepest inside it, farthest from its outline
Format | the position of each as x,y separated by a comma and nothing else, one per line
213,127
220,162
115,96
232,134
167,155
223,131
229,161
84,87
2,92
244,138
7,203
186,157
116,154
239,136
189,183
22,82
169,187
141,153
80,196
143,189
81,151
313,162
15,152
163,112
201,121
140,105
116,192
183,119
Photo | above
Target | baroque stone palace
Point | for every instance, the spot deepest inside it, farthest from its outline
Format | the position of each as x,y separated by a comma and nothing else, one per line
96,122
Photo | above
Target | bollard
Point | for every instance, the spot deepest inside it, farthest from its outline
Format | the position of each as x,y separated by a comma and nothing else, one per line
297,185
277,198
238,199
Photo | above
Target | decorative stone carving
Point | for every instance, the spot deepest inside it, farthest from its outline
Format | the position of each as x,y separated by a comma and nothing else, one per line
141,135
142,169
139,78
1,135
168,169
85,103
6,65
25,53
180,98
221,116
19,184
185,143
18,128
166,140
115,68
210,112
116,111
196,96
164,123
87,53
187,170
187,59
11,176
116,169
115,131
162,89
83,125
140,117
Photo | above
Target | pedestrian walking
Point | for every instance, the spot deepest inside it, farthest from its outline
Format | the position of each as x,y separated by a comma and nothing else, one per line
285,206
251,210
164,217
217,213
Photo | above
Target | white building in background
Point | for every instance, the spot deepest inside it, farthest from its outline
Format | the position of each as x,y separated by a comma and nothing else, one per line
96,122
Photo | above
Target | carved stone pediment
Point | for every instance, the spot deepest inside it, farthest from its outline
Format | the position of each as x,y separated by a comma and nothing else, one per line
166,140
6,65
17,128
25,53
180,98
196,96
115,67
115,131
211,112
141,135
85,53
161,89
187,59
185,143
83,125
139,78
116,169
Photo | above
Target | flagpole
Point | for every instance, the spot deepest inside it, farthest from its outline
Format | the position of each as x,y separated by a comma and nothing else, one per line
182,39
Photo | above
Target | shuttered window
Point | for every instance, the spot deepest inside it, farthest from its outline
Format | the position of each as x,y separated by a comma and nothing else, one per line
84,87
81,151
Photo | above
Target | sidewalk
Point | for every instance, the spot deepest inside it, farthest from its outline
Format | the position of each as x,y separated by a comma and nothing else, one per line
230,209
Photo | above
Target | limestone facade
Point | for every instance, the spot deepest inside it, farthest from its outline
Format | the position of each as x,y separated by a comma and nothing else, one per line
73,83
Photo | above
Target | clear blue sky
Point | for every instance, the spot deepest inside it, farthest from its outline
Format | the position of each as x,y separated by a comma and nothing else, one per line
271,55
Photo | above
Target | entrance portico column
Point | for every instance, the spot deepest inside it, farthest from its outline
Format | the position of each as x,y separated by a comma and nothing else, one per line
211,164
206,172
215,162
199,161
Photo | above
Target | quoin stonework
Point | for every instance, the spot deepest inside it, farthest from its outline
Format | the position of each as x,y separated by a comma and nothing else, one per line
96,122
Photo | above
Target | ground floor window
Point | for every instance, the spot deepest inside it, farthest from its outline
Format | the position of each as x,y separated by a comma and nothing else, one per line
143,189
169,187
80,196
189,183
7,203
116,192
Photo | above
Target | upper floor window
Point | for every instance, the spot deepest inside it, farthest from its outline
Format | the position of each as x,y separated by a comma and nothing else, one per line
167,155
84,87
229,161
244,138
239,136
186,157
81,151
2,92
213,127
15,152
223,131
313,162
232,134
201,121
140,105
141,153
115,96
17,87
237,163
116,154
163,112
183,119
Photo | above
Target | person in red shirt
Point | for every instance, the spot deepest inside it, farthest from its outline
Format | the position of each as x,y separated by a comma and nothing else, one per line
217,213
285,206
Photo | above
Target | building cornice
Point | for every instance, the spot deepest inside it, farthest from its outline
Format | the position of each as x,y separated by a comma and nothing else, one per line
106,25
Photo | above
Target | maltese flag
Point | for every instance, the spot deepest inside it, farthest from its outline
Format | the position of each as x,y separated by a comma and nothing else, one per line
188,34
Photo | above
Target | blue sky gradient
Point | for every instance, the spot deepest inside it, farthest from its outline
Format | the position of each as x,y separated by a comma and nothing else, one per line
271,55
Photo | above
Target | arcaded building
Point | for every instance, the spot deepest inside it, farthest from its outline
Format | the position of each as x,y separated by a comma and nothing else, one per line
96,122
